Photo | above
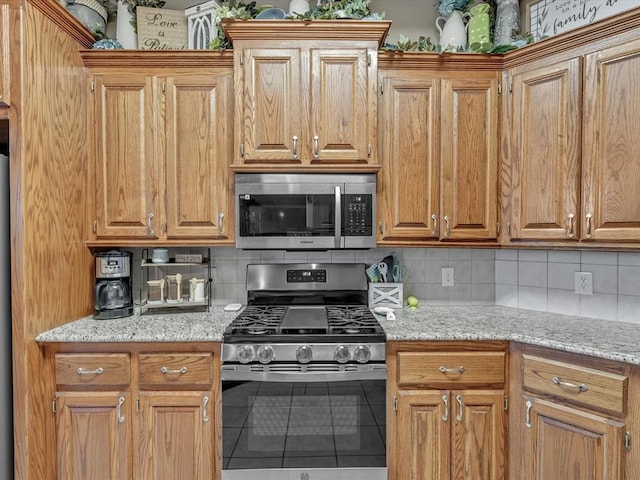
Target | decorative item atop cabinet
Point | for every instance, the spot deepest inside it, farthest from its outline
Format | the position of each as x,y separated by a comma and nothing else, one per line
306,94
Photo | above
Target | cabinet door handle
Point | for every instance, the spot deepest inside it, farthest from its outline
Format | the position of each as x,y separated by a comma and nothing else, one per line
167,371
589,233
445,399
294,149
119,410
434,217
316,153
527,413
447,227
460,408
220,223
444,369
381,228
570,233
97,371
205,401
582,387
150,231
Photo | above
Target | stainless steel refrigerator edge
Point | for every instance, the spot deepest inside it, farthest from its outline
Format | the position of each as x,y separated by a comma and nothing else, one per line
6,390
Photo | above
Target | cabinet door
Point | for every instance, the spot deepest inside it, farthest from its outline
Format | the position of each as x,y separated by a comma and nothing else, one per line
408,183
611,171
423,435
199,134
568,444
127,174
274,118
342,106
94,436
5,71
176,436
469,158
478,438
544,170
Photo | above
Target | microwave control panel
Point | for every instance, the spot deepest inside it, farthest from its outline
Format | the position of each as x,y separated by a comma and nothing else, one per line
357,215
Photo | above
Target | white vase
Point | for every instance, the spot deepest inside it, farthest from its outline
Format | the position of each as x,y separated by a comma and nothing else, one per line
453,33
125,33
507,21
298,6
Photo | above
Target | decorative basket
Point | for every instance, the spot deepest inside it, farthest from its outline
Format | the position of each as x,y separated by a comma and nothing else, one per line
200,25
385,295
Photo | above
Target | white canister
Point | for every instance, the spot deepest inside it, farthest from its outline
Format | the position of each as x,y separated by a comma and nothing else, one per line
196,290
160,255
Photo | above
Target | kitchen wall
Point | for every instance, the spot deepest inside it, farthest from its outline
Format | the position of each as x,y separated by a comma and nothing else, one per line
530,279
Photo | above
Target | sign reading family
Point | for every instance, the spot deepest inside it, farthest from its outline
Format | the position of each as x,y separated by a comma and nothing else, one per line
551,17
160,29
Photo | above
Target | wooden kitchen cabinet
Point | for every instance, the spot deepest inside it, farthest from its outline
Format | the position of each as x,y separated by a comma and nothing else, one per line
446,433
572,173
569,418
439,155
148,414
5,65
162,141
309,99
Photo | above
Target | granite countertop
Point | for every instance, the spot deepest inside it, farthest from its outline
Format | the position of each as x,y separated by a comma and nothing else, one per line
600,338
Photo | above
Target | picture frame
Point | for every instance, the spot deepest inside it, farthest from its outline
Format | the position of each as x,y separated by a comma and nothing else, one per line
547,18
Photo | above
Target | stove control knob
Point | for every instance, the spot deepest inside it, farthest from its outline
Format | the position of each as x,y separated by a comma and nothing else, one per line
362,354
245,353
304,354
341,355
265,354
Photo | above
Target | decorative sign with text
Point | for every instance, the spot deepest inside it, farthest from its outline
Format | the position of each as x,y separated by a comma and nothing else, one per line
552,17
160,29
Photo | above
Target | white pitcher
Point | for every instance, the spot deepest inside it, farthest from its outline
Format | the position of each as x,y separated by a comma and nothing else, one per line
453,35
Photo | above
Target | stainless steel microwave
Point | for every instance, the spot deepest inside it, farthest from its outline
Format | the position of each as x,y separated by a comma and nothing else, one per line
307,211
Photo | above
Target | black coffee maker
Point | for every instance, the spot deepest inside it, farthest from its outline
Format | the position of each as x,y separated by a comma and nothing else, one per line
113,293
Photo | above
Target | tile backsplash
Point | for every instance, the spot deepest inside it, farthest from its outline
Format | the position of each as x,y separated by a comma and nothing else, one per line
529,279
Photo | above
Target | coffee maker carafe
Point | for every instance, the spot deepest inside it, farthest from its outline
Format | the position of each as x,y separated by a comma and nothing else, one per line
113,297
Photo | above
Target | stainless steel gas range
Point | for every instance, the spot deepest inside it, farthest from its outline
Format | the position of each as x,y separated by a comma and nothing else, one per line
304,377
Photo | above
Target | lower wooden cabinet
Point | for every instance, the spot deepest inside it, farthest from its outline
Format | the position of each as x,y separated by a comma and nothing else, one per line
137,415
446,415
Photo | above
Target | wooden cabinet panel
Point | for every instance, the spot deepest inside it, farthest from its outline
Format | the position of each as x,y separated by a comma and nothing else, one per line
576,384
469,158
611,171
105,369
572,445
199,137
94,436
408,185
545,136
5,66
450,368
423,436
176,436
176,370
273,115
478,438
127,174
342,108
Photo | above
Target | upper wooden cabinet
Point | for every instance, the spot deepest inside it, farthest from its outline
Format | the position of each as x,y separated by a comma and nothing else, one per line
5,66
571,174
439,155
307,100
162,142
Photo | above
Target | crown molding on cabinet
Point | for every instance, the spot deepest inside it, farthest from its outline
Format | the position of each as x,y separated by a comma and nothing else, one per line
156,58
63,19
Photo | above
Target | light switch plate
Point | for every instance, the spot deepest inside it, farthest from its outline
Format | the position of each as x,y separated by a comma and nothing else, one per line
584,283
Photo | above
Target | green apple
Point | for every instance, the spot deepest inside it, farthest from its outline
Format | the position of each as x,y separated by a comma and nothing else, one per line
412,302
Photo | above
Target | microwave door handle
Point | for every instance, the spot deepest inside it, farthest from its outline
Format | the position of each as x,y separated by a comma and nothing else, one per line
338,222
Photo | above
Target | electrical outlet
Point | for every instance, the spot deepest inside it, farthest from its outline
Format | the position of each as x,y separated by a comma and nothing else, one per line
447,276
584,283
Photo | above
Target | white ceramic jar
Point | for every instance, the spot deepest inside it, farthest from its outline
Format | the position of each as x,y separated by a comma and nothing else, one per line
298,6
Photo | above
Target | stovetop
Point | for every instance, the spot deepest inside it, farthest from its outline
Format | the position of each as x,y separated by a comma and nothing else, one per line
304,323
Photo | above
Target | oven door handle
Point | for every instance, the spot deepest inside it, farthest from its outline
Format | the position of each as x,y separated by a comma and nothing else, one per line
238,373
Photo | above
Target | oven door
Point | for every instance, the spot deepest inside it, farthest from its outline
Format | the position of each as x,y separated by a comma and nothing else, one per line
324,423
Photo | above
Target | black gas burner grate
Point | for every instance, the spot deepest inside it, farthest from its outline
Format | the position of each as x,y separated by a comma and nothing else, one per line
258,320
352,319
